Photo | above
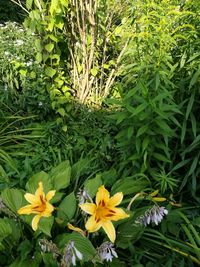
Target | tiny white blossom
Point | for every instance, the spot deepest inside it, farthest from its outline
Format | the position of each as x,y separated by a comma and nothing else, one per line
19,42
71,253
83,196
152,215
6,53
107,252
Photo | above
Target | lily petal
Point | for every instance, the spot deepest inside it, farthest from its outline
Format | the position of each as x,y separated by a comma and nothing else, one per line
115,200
31,198
39,191
26,210
88,208
76,229
102,194
91,224
35,222
50,195
119,214
48,210
109,229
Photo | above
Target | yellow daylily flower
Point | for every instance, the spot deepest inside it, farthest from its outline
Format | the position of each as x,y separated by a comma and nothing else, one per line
39,205
103,212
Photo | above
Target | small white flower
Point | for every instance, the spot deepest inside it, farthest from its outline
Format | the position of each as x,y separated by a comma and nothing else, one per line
71,253
40,104
152,215
83,196
6,53
29,63
19,42
107,251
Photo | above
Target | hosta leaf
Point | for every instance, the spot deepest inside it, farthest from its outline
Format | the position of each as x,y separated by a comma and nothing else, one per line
60,175
5,229
81,243
32,184
67,208
45,225
13,198
92,185
130,186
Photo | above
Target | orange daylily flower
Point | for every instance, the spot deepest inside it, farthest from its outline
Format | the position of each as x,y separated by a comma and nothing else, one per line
103,212
39,205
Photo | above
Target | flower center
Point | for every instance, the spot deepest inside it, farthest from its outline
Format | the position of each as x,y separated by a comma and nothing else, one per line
40,208
103,212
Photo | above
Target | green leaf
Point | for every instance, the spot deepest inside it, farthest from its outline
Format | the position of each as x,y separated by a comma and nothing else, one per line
60,175
92,185
29,4
67,208
142,130
190,105
81,243
45,225
38,45
32,184
160,157
49,47
13,198
136,110
39,57
194,78
94,71
50,71
53,6
5,229
61,111
129,185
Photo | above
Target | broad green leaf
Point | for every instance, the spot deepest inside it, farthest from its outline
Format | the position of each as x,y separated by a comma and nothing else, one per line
38,45
13,198
125,235
50,71
39,57
67,208
53,6
45,225
61,111
49,47
32,184
60,175
81,243
24,263
92,185
29,4
5,229
94,71
129,185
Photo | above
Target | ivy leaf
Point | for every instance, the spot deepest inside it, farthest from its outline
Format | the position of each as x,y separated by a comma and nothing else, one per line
49,47
50,71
